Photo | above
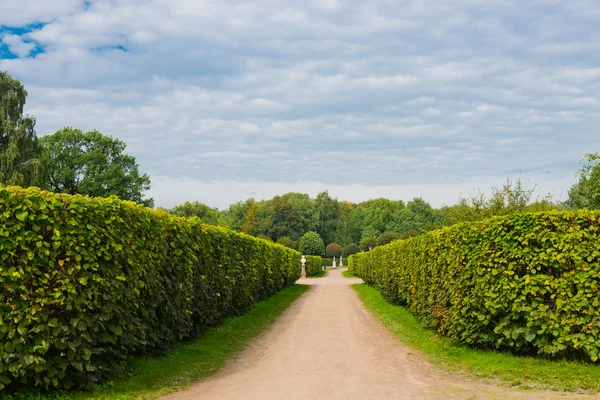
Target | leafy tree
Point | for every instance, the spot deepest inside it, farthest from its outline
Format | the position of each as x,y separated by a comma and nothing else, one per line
250,220
311,244
586,192
264,237
287,242
291,215
196,209
370,232
328,209
333,250
409,234
20,154
352,248
235,216
367,244
387,237
93,164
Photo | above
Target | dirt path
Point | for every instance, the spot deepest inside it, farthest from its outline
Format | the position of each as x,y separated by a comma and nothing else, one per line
327,346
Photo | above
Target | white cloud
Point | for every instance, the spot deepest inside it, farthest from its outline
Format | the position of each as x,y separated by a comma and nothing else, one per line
412,94
17,45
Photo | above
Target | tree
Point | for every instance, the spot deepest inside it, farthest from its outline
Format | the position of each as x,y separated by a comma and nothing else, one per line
333,250
291,215
409,234
328,210
21,160
196,209
93,164
234,216
311,244
352,248
586,192
387,237
287,242
367,244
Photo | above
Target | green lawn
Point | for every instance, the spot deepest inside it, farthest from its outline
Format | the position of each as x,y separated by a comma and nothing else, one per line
347,274
150,377
504,368
318,275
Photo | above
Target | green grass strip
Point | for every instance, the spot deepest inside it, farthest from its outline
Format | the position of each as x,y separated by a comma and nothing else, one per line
347,274
496,367
150,377
318,275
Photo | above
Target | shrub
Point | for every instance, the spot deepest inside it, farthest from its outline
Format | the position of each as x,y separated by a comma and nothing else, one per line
386,237
367,244
288,242
333,250
409,234
524,282
352,248
313,265
311,244
85,283
265,237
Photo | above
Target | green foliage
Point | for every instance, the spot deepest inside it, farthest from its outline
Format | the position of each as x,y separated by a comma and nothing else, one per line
314,265
526,282
510,198
586,192
311,244
287,242
367,244
333,250
409,234
329,212
387,237
196,209
93,164
86,283
352,248
290,215
235,216
20,154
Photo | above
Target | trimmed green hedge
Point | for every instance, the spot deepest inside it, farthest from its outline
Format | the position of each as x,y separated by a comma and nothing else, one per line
86,283
313,265
529,283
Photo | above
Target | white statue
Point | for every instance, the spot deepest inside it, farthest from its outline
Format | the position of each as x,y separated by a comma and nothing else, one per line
341,262
334,266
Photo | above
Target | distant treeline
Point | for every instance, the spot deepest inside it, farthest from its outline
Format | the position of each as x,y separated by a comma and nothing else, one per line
285,219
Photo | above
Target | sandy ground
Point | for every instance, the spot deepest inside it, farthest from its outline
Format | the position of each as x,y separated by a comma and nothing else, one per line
328,346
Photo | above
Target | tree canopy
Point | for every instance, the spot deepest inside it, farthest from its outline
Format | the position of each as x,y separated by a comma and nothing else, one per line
93,164
20,155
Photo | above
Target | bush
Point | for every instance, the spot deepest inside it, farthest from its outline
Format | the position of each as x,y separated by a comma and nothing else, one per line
524,282
311,244
86,283
333,250
409,234
352,248
288,242
386,237
367,244
313,265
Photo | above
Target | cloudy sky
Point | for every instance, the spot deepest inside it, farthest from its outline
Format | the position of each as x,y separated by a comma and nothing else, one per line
222,100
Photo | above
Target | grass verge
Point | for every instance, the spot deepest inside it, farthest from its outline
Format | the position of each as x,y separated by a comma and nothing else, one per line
347,274
150,377
318,275
497,367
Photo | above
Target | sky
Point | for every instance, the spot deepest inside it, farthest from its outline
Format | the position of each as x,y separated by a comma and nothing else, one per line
224,100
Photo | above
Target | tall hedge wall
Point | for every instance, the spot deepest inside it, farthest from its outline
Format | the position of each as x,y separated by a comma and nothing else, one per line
87,282
529,283
313,265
